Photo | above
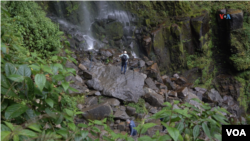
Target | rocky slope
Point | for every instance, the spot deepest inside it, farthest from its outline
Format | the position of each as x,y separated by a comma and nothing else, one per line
108,92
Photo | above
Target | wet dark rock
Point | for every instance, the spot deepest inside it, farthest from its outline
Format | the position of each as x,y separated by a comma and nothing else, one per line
183,92
153,98
153,110
181,81
151,84
154,72
121,115
97,112
105,53
236,21
171,85
117,121
130,111
172,93
121,126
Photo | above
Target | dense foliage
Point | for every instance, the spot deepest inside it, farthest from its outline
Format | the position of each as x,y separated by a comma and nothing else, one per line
37,31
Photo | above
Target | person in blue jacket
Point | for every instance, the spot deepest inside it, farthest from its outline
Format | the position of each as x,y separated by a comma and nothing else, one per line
131,123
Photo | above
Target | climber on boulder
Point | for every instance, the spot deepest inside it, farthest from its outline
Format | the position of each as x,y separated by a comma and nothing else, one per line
124,57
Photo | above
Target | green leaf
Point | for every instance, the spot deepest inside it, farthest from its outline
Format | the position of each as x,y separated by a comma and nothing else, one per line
10,125
24,70
174,133
69,112
145,138
35,67
9,69
58,77
4,82
59,66
16,77
180,127
5,135
15,110
4,105
63,132
65,85
146,126
60,119
72,126
46,68
4,128
183,112
196,131
50,102
168,104
8,92
30,85
71,70
72,89
16,138
84,134
206,130
35,127
40,81
28,133
220,119
176,101
218,137
54,58
164,138
82,125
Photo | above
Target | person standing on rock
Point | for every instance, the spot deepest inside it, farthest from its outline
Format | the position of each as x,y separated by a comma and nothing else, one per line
124,58
131,123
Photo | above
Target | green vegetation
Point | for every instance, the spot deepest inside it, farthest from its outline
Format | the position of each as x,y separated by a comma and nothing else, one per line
37,32
139,106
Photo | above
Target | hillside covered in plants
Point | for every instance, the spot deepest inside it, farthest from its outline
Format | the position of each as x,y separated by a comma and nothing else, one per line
61,72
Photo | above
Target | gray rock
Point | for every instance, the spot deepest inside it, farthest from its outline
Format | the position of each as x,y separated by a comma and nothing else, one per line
71,65
149,63
151,131
130,111
214,96
117,121
140,116
200,92
95,84
97,93
153,110
172,93
123,108
109,80
176,75
151,84
87,75
141,63
121,115
97,112
82,67
183,92
91,101
153,98
189,100
113,102
181,81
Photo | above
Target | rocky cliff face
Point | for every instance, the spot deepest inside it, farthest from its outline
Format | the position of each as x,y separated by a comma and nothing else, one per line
188,38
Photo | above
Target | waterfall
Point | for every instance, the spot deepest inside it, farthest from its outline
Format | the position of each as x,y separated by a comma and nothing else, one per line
108,12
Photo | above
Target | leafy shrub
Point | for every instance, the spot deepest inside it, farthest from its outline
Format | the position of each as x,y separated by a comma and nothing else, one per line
38,32
139,106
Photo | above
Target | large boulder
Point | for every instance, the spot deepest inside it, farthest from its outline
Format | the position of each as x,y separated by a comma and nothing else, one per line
236,21
199,92
111,82
130,110
97,112
183,92
212,96
153,98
